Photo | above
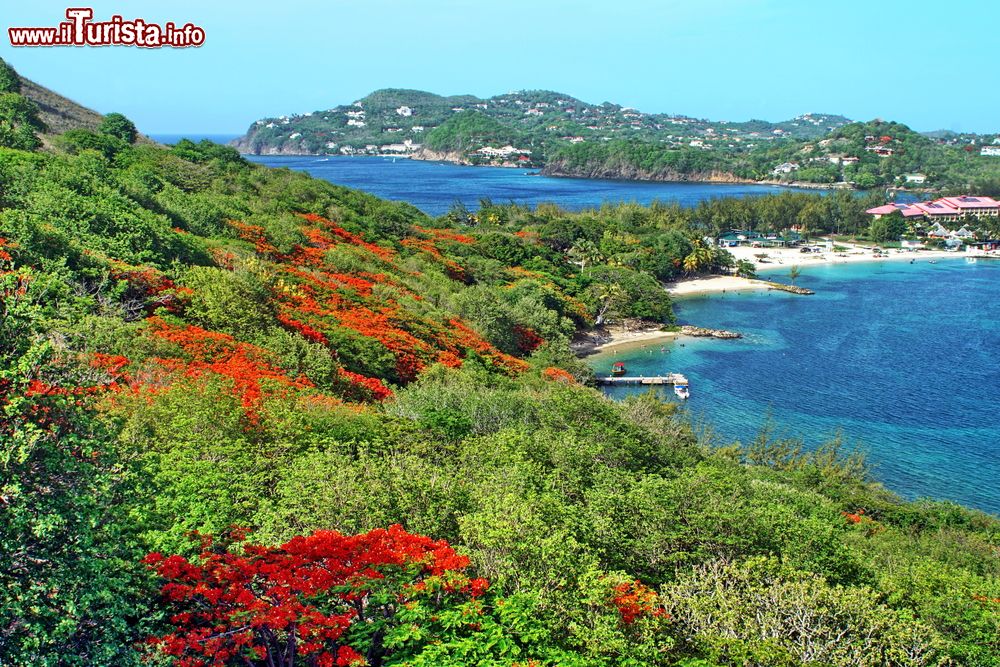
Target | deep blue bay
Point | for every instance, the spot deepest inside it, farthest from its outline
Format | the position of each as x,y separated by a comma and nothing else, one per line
434,187
899,357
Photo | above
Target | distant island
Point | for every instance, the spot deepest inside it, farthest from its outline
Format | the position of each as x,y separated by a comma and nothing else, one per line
564,136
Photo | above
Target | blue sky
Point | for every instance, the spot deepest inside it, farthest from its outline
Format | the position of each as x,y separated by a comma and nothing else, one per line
719,59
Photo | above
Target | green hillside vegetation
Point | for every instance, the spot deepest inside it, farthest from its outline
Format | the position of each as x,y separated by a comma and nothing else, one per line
468,131
190,342
570,137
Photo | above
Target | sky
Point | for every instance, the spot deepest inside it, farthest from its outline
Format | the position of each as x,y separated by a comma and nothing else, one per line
931,65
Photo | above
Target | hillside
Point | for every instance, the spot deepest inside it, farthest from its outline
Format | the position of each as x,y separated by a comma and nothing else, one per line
250,418
568,137
57,112
539,121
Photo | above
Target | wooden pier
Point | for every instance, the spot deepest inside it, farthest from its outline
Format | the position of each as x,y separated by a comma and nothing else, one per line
670,378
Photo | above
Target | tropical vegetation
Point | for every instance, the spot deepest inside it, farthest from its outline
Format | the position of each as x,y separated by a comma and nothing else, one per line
252,418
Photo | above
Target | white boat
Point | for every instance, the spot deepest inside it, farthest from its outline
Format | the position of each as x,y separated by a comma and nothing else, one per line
682,391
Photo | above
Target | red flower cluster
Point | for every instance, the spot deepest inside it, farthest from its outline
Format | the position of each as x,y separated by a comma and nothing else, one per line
298,600
371,387
324,225
466,337
446,235
427,246
203,351
526,339
151,285
4,255
254,234
559,375
854,517
635,600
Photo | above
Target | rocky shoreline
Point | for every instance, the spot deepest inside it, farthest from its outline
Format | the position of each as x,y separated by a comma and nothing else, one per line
639,332
702,332
793,289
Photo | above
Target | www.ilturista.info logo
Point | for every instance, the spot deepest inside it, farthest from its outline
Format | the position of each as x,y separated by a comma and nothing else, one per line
80,30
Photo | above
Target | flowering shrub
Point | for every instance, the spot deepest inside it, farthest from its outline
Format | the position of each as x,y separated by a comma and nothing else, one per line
635,600
559,375
201,351
446,235
299,602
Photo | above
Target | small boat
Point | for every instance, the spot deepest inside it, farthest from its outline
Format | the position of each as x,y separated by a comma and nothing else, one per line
932,261
618,369
682,391
970,260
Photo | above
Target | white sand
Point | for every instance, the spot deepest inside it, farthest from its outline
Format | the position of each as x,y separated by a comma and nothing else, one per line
854,253
785,258
714,284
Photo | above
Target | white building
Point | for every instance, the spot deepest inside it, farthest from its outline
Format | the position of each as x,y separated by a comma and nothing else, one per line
404,111
990,151
785,168
915,178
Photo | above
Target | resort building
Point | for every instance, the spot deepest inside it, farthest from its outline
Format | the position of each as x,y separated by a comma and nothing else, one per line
990,151
944,209
915,178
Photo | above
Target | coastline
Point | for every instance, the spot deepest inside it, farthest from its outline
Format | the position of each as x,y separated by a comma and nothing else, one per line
433,156
785,258
619,337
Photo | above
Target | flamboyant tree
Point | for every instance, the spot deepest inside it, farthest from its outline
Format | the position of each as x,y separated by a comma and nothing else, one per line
321,600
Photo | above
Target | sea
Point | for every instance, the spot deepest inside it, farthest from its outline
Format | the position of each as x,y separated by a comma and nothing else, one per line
434,187
897,359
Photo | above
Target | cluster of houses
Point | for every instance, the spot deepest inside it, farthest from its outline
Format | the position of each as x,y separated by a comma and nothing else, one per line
504,152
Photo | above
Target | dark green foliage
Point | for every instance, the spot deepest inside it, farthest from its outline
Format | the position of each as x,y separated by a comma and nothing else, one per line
118,126
10,82
19,122
469,130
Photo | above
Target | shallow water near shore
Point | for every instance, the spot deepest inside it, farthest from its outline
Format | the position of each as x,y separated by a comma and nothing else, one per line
900,357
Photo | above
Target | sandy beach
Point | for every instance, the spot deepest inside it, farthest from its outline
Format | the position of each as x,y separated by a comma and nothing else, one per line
768,260
619,336
713,284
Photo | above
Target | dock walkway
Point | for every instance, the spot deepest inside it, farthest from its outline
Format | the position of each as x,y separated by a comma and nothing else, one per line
670,378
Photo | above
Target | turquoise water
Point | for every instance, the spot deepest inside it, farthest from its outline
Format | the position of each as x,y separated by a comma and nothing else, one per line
901,358
434,186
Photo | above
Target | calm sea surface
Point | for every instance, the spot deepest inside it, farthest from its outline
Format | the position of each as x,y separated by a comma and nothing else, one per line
434,186
900,357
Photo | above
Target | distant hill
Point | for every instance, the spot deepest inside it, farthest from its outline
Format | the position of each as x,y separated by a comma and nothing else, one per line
423,124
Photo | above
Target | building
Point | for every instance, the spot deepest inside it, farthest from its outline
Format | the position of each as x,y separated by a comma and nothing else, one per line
919,179
943,209
990,151
785,168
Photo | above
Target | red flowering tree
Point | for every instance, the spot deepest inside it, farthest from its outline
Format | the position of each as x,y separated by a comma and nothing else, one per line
321,600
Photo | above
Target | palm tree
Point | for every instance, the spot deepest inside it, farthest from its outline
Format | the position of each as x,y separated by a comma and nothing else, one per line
794,273
586,252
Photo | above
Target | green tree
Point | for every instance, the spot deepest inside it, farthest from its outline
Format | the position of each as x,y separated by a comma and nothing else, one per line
10,82
793,273
117,125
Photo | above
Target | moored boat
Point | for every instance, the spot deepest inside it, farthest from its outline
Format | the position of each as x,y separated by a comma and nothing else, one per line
618,369
682,391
